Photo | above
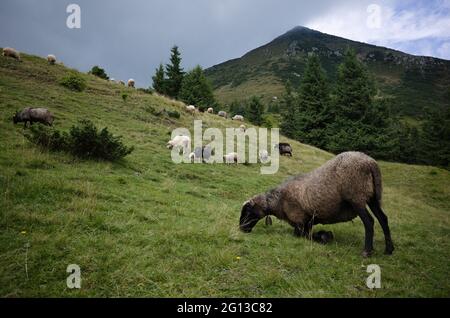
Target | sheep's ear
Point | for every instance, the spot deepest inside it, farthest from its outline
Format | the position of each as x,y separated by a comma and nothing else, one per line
268,220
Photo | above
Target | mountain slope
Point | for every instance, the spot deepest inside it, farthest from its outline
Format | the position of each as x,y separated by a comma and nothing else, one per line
148,227
415,82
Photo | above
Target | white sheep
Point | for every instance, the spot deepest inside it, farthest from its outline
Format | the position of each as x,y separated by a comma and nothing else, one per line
131,82
9,51
179,141
51,59
210,110
263,156
122,82
238,117
222,114
232,157
191,109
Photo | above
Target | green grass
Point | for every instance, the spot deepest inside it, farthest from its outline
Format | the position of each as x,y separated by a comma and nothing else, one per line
146,227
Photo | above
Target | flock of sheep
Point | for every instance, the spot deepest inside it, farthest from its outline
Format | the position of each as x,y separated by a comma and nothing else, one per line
51,59
338,191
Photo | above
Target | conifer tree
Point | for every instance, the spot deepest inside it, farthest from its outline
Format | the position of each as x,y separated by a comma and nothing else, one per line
159,80
196,89
313,112
255,110
289,112
174,74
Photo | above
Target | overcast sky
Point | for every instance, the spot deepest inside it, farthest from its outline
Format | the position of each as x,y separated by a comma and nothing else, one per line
130,38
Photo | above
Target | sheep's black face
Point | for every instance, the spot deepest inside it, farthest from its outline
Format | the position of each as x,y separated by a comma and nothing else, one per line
16,118
250,215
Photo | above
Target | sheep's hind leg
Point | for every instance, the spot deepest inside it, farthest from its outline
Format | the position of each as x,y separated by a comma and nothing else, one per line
383,220
367,220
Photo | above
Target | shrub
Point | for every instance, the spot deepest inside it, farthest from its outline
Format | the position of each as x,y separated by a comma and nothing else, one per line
48,138
87,142
74,82
99,72
173,114
124,96
83,141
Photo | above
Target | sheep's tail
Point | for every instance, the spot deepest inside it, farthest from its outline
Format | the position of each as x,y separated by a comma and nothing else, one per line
376,178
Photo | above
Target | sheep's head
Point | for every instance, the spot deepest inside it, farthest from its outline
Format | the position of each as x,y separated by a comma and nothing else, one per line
16,118
252,211
169,145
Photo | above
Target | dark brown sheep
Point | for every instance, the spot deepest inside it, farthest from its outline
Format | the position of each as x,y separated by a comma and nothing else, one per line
284,148
32,115
336,192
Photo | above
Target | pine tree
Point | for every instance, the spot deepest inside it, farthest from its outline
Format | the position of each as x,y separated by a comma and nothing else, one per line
355,89
313,113
174,74
355,118
436,138
255,110
196,89
289,112
159,80
237,108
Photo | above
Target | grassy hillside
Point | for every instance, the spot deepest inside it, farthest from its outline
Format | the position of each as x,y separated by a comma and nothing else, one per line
147,227
416,82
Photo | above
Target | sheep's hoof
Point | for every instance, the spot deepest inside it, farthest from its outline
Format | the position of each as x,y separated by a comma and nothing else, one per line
389,250
366,254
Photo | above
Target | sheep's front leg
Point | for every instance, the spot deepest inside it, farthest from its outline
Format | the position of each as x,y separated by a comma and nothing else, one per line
300,230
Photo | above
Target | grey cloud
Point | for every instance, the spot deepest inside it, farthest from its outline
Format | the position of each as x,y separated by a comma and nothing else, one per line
130,38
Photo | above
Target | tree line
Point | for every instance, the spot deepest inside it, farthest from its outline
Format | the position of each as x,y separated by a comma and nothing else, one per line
342,116
191,87
350,115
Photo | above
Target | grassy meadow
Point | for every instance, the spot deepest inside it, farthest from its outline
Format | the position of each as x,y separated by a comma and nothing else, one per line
146,227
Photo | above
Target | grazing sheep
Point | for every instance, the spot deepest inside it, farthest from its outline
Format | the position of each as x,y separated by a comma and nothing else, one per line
243,128
203,153
191,109
9,51
122,83
51,59
338,191
40,115
131,83
238,117
263,156
222,114
284,148
207,153
179,141
112,80
210,110
232,157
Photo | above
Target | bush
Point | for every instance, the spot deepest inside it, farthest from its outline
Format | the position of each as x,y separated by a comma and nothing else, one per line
83,141
173,114
99,72
87,142
48,138
124,96
74,82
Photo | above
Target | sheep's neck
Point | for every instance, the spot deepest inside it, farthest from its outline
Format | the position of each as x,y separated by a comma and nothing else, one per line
272,204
